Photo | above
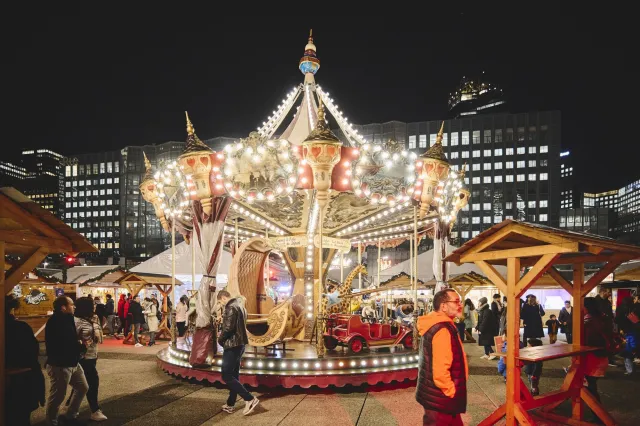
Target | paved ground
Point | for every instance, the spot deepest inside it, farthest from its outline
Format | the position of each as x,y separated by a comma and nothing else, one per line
134,391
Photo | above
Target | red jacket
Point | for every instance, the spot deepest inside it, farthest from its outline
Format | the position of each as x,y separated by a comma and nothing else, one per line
121,302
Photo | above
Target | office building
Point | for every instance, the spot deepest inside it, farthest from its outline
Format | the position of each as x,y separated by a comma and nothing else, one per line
607,199
569,194
591,220
476,96
513,163
12,174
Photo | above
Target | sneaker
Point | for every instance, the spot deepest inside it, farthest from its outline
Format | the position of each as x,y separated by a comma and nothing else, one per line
249,406
612,364
636,360
228,408
492,357
98,416
535,391
628,373
484,357
138,345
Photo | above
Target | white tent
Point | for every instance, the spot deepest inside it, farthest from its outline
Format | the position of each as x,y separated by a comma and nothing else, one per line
425,268
161,264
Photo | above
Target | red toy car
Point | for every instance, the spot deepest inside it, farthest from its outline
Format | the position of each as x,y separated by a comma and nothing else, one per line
350,331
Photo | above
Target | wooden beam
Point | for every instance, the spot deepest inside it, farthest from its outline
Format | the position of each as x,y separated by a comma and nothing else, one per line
601,258
577,407
553,273
513,339
27,219
600,275
570,247
493,275
523,417
596,407
593,249
541,235
17,273
29,240
534,273
487,242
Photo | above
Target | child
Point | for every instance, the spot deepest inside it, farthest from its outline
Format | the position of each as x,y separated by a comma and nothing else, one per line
502,362
552,328
534,370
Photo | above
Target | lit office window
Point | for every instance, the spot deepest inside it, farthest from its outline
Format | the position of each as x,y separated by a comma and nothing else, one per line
543,218
476,154
520,178
532,204
454,139
432,139
532,163
486,179
476,136
486,206
476,180
497,166
475,206
543,203
423,141
454,155
497,179
465,154
521,150
521,164
497,152
544,176
475,166
486,219
486,166
509,151
532,176
412,143
475,220
465,138
544,148
532,150
487,153
509,164
509,178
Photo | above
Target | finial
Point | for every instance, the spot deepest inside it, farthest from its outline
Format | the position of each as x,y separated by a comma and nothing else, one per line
321,111
190,129
311,34
321,132
147,166
439,135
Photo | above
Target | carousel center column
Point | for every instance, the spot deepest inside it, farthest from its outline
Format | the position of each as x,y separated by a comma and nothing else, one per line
321,149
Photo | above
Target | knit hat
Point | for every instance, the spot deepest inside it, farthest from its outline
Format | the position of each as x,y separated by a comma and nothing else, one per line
482,300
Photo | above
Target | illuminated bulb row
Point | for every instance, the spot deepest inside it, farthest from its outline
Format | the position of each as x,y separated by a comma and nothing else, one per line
256,218
387,238
372,219
343,123
394,229
272,122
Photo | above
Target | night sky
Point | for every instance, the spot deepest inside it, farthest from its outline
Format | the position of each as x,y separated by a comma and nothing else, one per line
85,84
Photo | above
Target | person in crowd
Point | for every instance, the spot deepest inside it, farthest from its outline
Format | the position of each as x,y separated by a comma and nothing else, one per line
442,369
122,314
169,309
64,351
531,314
469,320
151,318
552,328
233,339
502,323
110,313
502,362
90,333
136,316
566,321
606,309
128,317
24,390
333,295
369,311
487,328
596,333
497,307
533,370
101,310
181,315
629,329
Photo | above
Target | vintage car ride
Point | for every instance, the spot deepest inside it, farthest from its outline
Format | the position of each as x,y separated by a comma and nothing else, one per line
351,332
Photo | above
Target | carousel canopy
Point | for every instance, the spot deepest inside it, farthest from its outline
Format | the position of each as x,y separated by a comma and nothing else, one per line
161,264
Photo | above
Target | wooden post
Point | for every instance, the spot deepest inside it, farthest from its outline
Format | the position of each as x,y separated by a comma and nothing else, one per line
341,267
236,235
173,275
513,339
3,337
268,279
577,406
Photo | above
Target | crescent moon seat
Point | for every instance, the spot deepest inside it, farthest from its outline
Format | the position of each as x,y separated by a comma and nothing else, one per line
267,322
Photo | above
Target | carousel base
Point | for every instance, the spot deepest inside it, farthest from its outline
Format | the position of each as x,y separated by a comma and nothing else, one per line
300,366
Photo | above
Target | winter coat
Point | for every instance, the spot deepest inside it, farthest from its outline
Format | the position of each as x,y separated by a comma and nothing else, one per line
121,305
89,331
181,312
151,315
469,317
61,341
567,317
496,309
531,316
443,369
487,326
109,308
234,332
135,309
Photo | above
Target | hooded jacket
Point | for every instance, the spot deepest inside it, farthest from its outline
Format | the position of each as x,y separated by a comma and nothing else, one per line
443,369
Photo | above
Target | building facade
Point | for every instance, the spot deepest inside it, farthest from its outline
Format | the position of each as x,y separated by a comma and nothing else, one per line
513,164
590,220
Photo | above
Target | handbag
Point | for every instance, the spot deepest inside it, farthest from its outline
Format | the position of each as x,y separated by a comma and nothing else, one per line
202,346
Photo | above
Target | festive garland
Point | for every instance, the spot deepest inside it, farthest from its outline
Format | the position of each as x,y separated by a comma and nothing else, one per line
102,275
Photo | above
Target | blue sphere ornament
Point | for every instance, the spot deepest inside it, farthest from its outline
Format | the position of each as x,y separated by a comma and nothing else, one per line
309,64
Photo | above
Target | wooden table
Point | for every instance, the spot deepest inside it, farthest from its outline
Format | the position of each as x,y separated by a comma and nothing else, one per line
572,387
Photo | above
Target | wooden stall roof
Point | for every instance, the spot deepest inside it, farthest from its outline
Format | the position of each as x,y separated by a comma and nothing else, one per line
143,277
401,279
25,225
529,241
628,272
472,278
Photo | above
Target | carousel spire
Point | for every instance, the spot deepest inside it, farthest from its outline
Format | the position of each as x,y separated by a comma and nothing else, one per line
309,64
437,151
439,135
147,166
194,144
321,132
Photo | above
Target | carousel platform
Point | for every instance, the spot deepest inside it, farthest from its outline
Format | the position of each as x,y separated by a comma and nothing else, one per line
299,366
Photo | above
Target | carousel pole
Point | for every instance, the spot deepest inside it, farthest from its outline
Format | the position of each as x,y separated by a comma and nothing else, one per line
193,260
319,321
359,263
386,295
267,280
341,267
236,235
414,262
173,279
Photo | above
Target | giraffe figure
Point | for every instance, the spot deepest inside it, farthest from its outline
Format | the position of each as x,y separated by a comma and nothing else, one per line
345,290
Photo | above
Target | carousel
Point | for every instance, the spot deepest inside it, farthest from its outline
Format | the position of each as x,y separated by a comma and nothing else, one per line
298,195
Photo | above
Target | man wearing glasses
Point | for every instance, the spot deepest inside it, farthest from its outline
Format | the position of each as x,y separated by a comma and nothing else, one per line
443,370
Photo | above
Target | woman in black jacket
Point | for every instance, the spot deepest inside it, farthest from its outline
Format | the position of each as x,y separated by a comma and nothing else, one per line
135,310
531,315
487,328
566,321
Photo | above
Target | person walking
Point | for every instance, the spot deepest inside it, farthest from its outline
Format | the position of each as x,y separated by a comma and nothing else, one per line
181,315
90,333
64,351
442,369
137,319
122,315
487,328
233,339
566,321
151,316
531,315
469,320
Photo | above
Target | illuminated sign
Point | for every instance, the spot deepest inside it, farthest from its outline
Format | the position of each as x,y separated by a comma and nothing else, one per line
564,154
